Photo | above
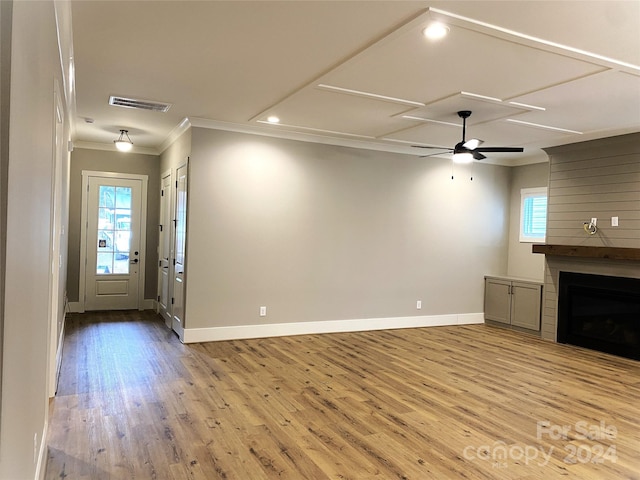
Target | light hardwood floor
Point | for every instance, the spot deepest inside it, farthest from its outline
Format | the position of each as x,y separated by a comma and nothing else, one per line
435,403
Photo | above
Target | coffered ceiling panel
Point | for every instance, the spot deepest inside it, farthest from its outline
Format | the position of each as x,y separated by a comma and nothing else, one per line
588,104
465,60
428,133
533,73
483,109
338,112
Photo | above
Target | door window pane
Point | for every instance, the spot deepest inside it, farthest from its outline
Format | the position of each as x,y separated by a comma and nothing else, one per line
104,263
114,230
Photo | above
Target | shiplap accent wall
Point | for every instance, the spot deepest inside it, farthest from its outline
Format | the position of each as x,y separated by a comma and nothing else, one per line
599,178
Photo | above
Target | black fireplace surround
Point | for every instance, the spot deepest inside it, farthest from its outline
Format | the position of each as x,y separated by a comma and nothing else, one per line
600,312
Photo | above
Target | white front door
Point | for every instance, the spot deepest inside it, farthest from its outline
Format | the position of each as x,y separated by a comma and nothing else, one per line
180,250
164,250
114,241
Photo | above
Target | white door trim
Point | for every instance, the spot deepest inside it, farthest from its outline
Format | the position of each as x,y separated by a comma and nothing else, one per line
168,230
178,321
86,174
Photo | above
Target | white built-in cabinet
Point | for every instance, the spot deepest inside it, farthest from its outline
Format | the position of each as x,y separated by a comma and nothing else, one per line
513,302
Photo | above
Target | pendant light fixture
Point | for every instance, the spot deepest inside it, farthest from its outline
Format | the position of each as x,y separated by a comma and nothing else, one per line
123,143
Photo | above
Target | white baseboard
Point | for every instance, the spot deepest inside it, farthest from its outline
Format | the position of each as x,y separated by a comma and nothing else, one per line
41,461
75,307
147,304
211,334
59,357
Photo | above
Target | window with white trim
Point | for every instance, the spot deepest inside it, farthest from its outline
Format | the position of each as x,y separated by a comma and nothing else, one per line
533,214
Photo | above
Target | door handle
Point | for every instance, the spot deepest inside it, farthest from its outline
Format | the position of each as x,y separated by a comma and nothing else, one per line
134,261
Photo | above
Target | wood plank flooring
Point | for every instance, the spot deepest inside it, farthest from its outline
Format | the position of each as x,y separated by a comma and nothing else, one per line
435,403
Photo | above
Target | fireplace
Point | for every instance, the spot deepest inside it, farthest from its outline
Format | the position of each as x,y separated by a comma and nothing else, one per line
600,312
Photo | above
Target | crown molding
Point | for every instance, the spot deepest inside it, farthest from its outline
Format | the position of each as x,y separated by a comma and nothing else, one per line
109,147
280,131
178,130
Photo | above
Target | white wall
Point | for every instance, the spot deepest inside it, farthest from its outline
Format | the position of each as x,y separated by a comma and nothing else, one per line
34,69
521,262
317,232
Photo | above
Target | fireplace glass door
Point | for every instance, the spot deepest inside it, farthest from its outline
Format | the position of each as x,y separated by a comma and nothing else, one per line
600,312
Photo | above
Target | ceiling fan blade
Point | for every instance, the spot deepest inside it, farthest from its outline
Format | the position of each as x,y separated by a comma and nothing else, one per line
473,143
434,154
429,146
477,155
499,149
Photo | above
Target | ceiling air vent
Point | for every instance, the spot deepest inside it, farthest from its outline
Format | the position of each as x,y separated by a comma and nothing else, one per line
139,104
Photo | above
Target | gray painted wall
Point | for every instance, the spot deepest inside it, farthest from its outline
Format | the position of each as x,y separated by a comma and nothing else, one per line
523,263
599,178
318,232
35,64
100,160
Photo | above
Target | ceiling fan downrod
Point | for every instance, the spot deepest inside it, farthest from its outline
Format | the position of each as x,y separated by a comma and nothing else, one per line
464,114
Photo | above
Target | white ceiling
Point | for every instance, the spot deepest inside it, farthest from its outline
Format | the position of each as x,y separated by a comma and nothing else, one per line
360,72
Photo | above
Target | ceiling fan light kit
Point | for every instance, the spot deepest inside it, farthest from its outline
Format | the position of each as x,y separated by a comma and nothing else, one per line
462,157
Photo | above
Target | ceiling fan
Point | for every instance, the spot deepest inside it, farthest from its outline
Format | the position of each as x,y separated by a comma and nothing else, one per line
468,150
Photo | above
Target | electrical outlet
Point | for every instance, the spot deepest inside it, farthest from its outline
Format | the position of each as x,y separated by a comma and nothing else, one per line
594,221
419,304
263,311
614,221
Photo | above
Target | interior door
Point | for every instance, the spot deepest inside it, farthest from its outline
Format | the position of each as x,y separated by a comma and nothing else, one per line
164,250
113,243
179,251
56,314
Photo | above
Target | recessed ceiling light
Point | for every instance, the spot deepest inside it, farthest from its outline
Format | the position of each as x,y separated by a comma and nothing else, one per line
273,119
436,31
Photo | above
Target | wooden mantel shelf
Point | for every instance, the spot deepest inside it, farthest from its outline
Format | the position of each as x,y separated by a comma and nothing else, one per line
608,253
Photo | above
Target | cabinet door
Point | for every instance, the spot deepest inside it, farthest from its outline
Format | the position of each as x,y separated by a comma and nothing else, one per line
525,305
497,300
